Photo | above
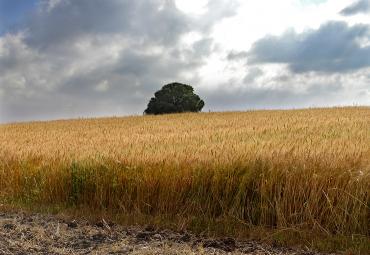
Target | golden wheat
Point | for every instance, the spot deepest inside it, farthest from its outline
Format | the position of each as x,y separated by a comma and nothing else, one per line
298,168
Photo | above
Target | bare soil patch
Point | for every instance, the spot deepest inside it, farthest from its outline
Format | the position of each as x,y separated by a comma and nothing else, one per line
23,233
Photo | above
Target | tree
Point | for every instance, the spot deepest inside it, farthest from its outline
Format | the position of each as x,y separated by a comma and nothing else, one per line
174,98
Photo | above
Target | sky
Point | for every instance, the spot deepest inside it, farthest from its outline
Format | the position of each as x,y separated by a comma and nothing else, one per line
91,58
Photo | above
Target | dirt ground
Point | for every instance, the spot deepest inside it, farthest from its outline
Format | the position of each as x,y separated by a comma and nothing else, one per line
22,233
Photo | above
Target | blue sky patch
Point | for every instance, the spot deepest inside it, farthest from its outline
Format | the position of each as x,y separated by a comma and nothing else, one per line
13,11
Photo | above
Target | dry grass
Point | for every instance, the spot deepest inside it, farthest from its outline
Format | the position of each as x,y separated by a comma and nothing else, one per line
298,169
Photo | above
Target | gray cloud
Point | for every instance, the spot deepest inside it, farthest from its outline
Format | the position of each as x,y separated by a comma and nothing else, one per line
217,10
253,73
154,20
267,98
235,56
157,21
361,6
334,47
297,91
93,57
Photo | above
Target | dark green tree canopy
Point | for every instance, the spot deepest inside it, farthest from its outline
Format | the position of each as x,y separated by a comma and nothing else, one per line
174,98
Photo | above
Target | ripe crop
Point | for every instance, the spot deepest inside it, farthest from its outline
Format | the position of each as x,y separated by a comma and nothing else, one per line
299,169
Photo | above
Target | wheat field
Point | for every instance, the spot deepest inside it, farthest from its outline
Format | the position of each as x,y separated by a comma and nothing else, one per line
297,169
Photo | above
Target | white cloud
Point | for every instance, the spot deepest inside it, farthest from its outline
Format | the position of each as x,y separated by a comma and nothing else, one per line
192,7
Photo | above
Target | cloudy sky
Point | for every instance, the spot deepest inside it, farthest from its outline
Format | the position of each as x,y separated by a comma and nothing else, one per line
83,58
